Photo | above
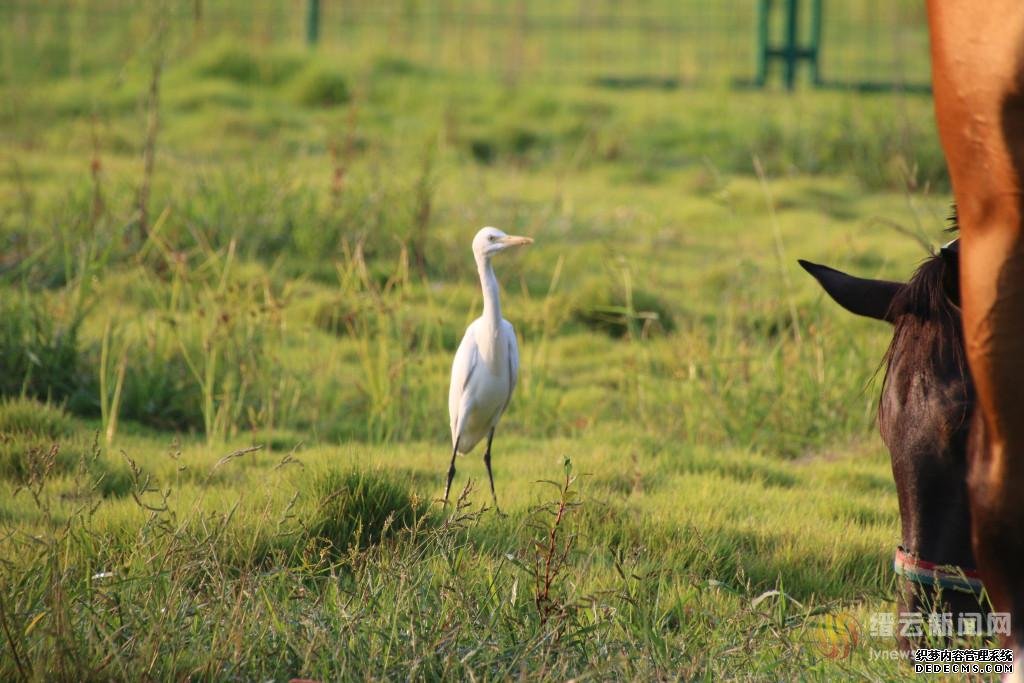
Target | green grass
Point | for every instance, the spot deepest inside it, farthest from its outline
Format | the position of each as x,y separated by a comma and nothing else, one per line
300,287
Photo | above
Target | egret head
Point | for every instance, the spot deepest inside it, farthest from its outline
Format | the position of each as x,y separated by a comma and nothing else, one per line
490,241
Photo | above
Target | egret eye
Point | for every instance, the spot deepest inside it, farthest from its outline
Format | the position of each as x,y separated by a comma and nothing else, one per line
493,237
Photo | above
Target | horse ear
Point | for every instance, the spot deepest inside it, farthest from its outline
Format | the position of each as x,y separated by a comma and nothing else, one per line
950,253
871,298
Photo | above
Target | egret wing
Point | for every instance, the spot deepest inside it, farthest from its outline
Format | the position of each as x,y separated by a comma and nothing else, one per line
513,360
466,358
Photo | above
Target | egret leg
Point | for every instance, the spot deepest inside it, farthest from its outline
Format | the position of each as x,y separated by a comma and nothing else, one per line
487,461
451,472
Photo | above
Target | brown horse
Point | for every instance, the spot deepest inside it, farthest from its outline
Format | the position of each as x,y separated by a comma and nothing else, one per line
977,51
924,417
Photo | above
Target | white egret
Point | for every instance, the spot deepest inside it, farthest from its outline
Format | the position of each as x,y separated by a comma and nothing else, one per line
486,365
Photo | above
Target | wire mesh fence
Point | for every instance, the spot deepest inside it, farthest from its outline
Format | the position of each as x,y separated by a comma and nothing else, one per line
692,42
875,41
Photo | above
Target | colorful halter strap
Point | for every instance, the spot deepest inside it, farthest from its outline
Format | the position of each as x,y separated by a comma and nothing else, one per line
946,576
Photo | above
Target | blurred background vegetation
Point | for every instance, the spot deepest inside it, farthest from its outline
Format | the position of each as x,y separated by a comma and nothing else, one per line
688,43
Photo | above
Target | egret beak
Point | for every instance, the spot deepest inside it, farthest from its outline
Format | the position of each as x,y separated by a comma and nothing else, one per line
515,241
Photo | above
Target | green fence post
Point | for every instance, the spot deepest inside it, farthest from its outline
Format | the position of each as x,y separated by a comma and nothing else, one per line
764,10
792,10
313,22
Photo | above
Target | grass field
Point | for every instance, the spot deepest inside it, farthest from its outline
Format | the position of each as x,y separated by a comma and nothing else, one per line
231,289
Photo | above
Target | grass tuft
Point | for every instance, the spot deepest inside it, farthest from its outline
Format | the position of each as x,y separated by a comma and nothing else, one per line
39,354
231,60
319,85
359,508
622,311
19,416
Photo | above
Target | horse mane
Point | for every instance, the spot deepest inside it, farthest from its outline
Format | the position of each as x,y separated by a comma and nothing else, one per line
924,297
953,219
928,329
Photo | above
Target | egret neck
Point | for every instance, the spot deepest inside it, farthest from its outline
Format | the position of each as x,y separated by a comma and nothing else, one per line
487,343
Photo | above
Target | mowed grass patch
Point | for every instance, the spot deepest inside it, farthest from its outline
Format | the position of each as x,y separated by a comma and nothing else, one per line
675,570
